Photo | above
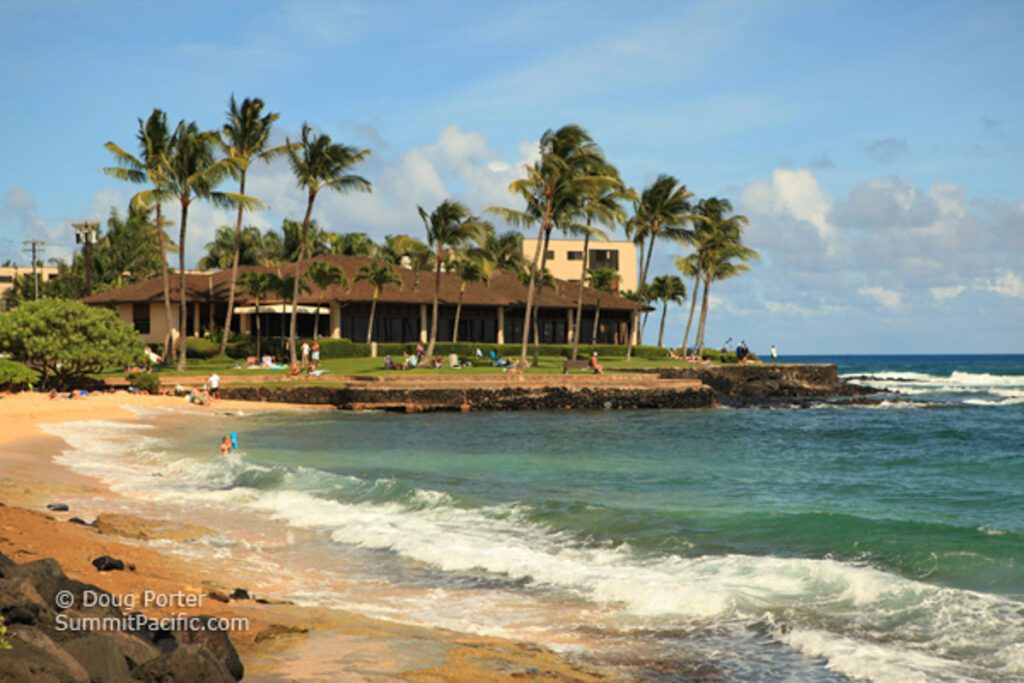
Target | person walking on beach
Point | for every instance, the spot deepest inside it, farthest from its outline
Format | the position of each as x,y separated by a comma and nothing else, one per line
213,385
775,354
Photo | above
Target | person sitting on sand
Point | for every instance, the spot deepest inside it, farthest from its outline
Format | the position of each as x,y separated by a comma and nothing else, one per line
437,363
295,370
595,366
411,362
389,363
226,445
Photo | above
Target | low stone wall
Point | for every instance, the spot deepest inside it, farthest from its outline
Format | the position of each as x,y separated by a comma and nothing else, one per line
429,399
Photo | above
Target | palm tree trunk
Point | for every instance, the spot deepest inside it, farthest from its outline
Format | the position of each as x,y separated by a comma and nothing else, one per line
693,305
259,350
373,312
234,271
437,296
182,294
661,330
597,317
316,316
577,324
536,304
458,314
298,276
169,350
529,295
643,281
703,314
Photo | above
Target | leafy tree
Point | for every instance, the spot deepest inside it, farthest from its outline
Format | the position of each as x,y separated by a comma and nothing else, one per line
601,280
154,147
129,247
320,164
67,340
504,251
245,139
449,227
666,289
725,256
16,375
350,244
379,275
322,276
553,188
226,246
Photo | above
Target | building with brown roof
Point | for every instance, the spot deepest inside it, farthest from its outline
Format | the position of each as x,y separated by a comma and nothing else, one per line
492,312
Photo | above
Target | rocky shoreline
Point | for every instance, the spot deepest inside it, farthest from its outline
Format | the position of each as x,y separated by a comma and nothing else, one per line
673,388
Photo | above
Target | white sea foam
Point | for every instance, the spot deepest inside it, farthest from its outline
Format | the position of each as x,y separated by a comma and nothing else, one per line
966,387
865,622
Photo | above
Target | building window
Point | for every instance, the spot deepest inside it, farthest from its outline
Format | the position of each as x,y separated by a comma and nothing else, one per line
140,317
575,255
549,255
605,258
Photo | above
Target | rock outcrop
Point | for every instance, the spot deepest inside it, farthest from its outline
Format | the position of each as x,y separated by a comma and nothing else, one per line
48,645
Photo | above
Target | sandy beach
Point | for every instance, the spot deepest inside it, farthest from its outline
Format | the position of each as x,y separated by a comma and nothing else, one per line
281,641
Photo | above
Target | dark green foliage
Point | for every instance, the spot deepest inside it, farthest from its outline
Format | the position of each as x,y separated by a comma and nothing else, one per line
67,340
145,381
344,348
241,349
202,348
16,376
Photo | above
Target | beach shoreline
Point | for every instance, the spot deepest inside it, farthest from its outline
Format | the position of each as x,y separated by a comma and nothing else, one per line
281,640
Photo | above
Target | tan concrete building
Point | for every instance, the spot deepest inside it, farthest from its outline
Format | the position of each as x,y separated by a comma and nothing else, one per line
565,259
9,273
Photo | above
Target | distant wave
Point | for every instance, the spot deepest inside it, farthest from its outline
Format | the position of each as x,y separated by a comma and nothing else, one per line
977,389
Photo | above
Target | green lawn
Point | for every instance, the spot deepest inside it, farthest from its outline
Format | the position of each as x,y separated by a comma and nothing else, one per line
375,366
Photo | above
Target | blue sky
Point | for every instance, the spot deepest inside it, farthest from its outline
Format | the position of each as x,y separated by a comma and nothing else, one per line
875,147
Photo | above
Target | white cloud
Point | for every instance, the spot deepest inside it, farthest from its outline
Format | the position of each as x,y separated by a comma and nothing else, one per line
797,196
1006,284
885,297
794,309
943,293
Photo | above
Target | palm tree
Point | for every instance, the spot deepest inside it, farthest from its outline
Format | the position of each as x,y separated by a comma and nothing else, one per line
244,139
154,145
319,164
504,251
379,275
192,172
600,280
449,227
708,210
350,244
257,285
662,209
324,275
725,257
553,186
468,270
667,289
600,206
229,247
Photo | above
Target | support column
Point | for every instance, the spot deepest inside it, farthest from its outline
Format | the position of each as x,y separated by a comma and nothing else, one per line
211,320
335,320
501,324
570,315
195,319
423,323
245,323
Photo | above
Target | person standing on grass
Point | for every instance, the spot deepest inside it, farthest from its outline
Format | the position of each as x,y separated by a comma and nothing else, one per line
314,355
305,354
775,354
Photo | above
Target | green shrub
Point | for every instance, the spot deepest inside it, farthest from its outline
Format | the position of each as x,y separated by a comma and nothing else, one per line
242,348
145,381
67,340
345,348
16,376
4,643
202,348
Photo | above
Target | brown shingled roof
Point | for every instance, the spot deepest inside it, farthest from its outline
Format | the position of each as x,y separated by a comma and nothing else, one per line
504,289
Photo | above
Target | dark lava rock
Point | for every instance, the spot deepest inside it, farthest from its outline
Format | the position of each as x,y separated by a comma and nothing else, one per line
106,563
216,641
79,520
240,594
35,657
57,507
101,656
25,613
186,664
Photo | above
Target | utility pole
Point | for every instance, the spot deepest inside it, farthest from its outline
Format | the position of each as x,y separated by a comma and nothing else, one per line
33,247
85,234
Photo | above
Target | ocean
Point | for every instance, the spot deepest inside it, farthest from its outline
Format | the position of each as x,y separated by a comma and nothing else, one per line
881,542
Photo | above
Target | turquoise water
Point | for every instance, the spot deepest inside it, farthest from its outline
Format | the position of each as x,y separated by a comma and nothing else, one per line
882,542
